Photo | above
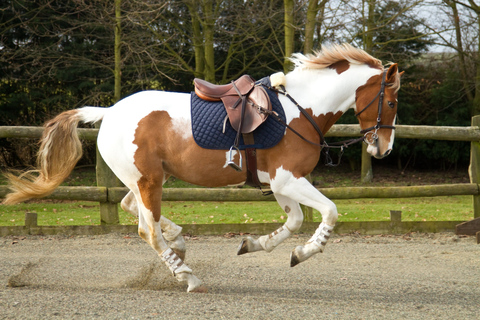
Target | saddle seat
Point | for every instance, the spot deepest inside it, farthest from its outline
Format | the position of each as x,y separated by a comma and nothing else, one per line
233,95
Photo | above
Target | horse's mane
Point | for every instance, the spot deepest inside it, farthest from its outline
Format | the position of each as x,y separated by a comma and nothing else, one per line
338,52
335,53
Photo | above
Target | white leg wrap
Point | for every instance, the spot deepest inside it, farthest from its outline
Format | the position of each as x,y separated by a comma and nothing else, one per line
174,263
180,270
269,242
321,236
315,245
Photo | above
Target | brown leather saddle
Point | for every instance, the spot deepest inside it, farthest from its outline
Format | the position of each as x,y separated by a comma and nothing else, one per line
244,102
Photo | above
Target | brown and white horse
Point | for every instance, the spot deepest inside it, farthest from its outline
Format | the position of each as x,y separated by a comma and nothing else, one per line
147,137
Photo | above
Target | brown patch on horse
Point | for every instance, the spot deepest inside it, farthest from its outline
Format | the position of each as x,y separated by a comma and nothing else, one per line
340,66
149,165
162,151
269,160
328,120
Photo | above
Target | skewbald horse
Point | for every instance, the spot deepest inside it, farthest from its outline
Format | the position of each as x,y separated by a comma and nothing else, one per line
147,137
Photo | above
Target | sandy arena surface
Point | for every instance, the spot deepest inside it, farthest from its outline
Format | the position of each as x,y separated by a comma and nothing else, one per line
415,276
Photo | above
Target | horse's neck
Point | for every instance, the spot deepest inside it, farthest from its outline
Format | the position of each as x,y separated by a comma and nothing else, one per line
325,91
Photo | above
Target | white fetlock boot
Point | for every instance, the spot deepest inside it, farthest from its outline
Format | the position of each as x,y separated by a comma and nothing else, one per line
314,245
175,240
269,242
181,271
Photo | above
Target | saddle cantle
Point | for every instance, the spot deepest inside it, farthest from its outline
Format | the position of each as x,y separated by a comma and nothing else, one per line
233,95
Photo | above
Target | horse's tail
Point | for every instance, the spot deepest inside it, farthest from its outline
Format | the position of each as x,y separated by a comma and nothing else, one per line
60,149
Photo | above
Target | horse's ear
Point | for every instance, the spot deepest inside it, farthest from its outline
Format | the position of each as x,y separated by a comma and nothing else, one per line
391,73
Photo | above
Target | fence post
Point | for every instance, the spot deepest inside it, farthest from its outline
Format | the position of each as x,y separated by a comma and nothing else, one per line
367,172
474,169
106,178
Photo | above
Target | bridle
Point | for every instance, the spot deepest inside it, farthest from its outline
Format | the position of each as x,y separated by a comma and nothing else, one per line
370,134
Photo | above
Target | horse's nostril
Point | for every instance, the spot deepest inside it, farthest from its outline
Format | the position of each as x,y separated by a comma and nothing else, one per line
387,152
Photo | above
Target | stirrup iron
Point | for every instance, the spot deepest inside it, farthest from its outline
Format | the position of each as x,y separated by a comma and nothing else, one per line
231,162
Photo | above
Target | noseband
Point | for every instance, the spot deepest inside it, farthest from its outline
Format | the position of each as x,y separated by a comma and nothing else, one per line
370,134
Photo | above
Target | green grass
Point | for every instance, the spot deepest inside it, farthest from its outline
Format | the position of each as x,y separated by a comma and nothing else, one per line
452,208
58,214
189,212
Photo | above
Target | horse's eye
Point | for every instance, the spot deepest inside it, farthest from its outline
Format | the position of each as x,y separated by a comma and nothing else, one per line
391,104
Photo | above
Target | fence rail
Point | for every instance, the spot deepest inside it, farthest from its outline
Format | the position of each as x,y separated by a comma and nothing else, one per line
338,130
108,195
116,194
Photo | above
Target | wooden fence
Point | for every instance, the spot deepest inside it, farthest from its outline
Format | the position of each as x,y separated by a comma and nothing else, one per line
108,194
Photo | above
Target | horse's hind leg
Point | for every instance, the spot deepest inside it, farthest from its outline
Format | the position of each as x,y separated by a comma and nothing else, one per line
149,228
170,231
270,241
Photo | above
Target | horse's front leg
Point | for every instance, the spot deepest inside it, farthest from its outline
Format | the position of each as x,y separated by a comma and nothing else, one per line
270,241
302,191
286,186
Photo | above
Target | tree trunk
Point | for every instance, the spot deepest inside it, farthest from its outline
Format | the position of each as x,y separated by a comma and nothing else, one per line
289,33
117,52
476,99
367,171
369,25
461,52
313,8
208,32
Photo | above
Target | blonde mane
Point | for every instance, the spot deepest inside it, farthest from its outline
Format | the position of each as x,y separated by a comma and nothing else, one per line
339,52
329,55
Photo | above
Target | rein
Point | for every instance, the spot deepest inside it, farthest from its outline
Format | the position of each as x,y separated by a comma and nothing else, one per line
325,147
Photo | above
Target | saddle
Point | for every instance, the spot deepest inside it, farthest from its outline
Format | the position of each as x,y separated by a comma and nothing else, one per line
247,106
244,102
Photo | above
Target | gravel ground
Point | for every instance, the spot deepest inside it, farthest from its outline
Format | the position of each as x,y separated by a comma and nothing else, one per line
415,276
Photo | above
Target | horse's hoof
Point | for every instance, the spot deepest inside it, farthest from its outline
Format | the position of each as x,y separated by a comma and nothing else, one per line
294,260
243,248
200,289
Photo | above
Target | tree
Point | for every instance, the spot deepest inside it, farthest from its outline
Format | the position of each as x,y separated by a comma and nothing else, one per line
463,55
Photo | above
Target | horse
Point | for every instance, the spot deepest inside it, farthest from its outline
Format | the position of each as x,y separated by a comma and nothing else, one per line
147,137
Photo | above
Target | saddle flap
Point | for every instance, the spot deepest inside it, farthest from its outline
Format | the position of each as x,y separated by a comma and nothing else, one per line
253,117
